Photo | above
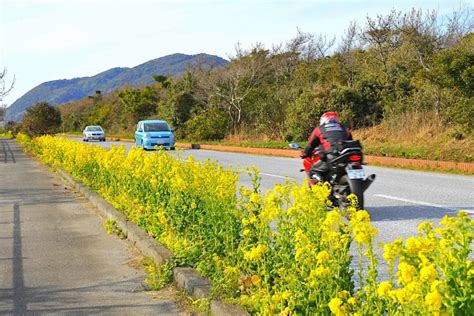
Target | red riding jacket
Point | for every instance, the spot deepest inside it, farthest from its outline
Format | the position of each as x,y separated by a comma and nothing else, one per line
327,135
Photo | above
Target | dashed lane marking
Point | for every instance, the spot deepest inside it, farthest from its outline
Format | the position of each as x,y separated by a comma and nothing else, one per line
421,203
275,176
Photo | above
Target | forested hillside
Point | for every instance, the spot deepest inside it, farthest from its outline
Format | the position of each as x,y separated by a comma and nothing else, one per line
408,71
68,90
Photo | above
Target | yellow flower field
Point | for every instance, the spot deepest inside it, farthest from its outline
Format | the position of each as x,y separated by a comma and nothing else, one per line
275,253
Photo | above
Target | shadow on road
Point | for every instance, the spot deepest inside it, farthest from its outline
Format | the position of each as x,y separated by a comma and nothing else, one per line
7,152
43,300
34,197
18,278
409,212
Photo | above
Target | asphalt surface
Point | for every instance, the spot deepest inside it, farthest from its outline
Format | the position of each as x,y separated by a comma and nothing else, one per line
397,201
55,256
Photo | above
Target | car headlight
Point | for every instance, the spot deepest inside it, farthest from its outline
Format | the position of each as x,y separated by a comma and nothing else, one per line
146,135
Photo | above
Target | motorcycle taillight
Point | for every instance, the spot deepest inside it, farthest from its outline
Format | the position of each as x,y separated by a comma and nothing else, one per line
355,157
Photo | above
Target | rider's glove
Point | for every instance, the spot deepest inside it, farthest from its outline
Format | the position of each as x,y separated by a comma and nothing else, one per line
303,155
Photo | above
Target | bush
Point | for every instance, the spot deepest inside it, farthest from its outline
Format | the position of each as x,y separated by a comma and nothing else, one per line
41,119
302,265
211,125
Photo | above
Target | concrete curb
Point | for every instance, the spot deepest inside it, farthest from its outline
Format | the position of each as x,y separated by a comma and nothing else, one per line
186,278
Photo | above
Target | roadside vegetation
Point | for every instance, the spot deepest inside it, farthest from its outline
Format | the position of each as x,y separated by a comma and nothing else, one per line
158,276
112,228
278,252
403,82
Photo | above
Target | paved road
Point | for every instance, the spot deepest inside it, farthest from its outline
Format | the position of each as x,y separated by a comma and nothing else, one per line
398,200
55,257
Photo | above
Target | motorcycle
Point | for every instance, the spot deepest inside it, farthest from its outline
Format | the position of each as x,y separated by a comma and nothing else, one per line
343,170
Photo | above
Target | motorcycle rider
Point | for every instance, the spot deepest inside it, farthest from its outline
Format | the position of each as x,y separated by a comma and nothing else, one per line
325,137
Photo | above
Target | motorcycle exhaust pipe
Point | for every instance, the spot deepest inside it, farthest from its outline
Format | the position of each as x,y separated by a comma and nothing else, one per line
367,182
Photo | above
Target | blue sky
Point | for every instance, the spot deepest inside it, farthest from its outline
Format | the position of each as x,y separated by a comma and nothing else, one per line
42,40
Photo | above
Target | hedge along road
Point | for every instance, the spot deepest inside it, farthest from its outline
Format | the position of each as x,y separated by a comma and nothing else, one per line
397,201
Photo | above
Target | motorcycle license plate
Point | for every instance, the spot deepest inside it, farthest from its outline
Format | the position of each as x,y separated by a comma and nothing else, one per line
356,173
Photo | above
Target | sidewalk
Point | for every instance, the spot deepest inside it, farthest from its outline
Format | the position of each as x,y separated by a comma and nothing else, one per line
55,256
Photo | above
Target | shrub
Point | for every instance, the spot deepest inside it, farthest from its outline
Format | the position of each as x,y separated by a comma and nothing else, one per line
278,252
41,119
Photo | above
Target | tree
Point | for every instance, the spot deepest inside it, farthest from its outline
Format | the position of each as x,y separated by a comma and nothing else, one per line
212,124
4,87
41,119
165,81
140,103
4,90
230,86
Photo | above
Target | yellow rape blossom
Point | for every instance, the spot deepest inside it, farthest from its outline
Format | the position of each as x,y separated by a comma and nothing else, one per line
255,198
361,227
256,253
428,273
433,301
384,288
192,207
425,226
335,306
391,251
402,295
363,233
320,272
406,273
323,257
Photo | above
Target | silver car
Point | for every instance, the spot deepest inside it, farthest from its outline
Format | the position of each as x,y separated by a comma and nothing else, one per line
93,133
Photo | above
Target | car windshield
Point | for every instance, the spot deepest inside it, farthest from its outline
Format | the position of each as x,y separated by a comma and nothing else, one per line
156,127
94,129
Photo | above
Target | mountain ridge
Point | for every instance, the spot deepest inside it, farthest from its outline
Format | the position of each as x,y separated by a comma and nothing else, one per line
61,91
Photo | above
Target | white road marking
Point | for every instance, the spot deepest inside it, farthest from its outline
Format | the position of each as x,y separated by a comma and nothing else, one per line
275,176
245,171
420,203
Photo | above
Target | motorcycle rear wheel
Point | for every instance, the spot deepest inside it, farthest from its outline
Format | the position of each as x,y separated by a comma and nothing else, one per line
343,202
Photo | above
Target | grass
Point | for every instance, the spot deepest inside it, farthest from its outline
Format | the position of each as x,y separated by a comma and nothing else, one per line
112,228
417,137
193,306
158,274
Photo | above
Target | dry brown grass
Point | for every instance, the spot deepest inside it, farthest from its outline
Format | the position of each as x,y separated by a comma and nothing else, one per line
244,137
417,135
407,128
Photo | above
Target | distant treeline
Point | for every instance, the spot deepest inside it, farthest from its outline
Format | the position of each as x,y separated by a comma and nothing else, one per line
413,62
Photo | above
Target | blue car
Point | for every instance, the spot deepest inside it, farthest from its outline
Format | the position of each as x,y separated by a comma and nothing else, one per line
152,133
